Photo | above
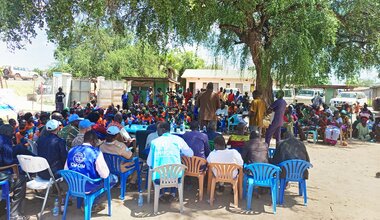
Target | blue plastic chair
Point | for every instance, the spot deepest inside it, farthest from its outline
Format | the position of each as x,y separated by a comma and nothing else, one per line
271,152
261,174
5,195
114,162
294,173
77,188
234,120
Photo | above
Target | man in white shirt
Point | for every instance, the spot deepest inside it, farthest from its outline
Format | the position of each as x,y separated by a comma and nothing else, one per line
223,155
151,137
222,111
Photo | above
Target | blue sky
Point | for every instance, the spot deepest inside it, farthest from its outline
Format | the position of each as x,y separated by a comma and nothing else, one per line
40,54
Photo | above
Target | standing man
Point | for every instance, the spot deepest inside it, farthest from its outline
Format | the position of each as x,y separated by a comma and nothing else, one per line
59,96
257,113
208,102
278,107
124,99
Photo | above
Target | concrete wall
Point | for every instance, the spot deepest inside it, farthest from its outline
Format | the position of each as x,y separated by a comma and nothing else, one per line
233,83
80,91
110,92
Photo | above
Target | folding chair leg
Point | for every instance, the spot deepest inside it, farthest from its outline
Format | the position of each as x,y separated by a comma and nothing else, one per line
180,195
45,199
156,196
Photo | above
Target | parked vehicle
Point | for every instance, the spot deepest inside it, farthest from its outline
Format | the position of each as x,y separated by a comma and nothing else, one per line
289,95
306,95
18,73
350,98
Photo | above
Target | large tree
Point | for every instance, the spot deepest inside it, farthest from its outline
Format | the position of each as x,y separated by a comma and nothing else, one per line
290,41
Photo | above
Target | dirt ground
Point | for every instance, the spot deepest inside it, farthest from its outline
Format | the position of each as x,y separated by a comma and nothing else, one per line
342,185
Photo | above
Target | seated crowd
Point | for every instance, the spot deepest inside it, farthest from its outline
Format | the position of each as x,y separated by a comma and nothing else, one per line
62,138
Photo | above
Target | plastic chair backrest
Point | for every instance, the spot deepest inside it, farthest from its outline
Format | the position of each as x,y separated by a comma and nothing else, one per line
224,171
194,164
295,168
114,161
263,173
235,118
31,164
76,181
169,174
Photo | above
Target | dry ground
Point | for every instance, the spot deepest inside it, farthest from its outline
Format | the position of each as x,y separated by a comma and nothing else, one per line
342,185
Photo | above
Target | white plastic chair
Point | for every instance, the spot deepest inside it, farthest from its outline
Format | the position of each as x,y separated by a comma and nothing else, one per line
33,146
169,176
30,164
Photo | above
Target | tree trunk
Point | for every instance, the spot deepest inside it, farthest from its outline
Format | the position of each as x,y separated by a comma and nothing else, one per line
264,82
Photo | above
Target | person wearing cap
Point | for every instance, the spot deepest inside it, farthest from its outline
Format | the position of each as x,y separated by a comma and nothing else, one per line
52,148
115,147
69,132
123,136
84,126
88,160
112,146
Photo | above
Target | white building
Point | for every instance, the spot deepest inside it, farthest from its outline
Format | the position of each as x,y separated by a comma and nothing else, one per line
244,80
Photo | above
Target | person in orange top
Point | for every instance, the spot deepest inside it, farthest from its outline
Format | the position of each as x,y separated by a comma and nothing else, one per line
257,112
23,134
146,118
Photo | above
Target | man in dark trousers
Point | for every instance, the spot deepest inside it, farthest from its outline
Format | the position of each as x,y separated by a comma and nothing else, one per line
59,96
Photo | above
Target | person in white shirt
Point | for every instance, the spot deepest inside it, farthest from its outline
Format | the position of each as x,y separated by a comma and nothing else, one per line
222,111
223,155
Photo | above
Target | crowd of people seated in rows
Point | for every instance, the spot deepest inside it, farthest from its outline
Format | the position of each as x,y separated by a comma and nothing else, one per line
62,138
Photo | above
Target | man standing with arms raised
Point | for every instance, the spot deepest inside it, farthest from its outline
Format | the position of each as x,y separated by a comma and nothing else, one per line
278,107
208,102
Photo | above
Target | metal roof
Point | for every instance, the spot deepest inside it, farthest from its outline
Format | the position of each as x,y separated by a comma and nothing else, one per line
218,74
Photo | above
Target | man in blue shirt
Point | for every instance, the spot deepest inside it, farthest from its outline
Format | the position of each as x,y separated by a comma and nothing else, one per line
124,99
89,161
197,141
52,148
166,149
